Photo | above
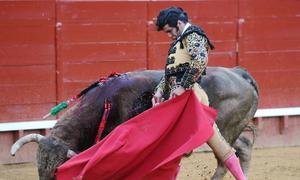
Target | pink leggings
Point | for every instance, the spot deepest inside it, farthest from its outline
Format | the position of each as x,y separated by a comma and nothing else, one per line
226,154
219,145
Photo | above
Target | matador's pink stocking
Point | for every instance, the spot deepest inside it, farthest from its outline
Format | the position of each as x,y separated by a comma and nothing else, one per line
233,165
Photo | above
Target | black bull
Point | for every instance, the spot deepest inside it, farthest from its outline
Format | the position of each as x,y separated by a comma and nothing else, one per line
232,91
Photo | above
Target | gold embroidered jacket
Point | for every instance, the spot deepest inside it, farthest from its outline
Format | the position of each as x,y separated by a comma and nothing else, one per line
187,60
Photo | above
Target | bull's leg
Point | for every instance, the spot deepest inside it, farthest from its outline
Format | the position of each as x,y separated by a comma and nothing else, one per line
244,148
220,172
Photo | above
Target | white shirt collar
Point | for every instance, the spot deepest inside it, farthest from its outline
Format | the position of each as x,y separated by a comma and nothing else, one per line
185,27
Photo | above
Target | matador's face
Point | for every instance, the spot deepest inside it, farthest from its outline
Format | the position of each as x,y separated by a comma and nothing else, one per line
171,31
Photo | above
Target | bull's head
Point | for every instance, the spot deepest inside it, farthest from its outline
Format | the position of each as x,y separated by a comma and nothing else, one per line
51,153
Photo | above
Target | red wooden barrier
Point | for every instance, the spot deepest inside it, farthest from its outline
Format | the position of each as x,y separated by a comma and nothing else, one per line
50,50
97,38
27,59
269,42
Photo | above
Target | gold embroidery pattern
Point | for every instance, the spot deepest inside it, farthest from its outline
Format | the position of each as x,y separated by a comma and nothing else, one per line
161,85
197,48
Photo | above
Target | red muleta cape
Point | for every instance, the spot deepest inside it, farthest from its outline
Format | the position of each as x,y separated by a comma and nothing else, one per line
148,146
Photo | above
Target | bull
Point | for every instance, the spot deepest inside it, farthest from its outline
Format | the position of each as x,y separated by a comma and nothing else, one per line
232,91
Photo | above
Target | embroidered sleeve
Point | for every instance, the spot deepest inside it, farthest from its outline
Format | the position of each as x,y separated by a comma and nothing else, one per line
197,48
161,85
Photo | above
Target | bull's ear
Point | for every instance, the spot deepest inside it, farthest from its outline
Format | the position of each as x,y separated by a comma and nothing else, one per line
71,153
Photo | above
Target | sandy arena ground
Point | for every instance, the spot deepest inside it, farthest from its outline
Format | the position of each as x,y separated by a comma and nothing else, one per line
274,163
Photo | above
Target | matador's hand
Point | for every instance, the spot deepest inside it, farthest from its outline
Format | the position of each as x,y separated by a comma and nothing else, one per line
177,92
157,98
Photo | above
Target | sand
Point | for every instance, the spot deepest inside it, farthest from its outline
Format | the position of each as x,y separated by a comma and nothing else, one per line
271,163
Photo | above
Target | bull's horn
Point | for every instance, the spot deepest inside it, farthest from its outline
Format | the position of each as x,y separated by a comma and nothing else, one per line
23,140
71,153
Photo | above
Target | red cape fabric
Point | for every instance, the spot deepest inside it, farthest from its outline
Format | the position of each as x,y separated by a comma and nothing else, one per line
148,146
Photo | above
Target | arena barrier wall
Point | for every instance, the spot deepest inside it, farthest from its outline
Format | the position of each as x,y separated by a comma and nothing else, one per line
50,50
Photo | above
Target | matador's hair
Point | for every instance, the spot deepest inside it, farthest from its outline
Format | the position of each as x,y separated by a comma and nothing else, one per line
170,16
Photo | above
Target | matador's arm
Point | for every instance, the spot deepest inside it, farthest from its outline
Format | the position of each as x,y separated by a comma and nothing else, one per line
161,85
197,47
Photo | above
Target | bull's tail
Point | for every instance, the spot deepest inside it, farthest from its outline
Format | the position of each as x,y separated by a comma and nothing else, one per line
253,130
245,74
